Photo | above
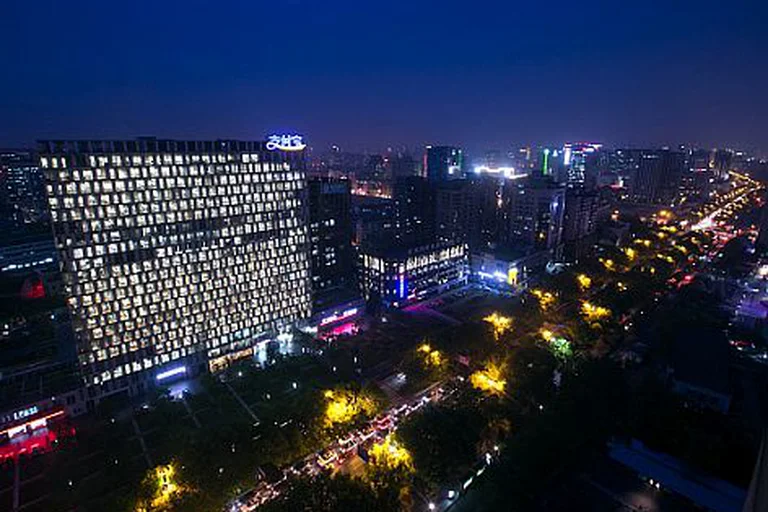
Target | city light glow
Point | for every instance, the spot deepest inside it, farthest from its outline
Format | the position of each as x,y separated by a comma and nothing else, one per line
344,405
546,299
501,324
432,357
584,281
609,264
164,486
593,313
490,379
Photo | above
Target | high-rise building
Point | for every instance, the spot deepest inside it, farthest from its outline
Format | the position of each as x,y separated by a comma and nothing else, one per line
575,161
414,199
177,255
330,235
456,215
487,205
533,214
373,219
580,218
402,164
721,161
22,189
443,163
658,176
584,210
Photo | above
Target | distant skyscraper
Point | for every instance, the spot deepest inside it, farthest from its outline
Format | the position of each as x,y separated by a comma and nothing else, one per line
658,177
583,211
22,188
533,210
443,163
176,255
402,165
575,161
374,220
414,198
721,161
455,210
330,235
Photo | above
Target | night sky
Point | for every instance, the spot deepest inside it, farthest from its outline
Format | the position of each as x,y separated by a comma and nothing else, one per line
366,74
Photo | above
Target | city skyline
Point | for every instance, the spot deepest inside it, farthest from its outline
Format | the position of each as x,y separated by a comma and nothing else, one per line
391,257
621,75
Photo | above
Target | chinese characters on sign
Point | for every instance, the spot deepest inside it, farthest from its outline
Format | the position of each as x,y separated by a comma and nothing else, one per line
285,142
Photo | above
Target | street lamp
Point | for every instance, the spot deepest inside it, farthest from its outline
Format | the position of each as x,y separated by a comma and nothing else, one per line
431,506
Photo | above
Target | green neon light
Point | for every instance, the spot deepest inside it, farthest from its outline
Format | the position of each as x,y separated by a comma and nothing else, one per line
546,162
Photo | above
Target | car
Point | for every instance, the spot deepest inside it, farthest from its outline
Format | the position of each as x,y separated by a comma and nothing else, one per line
348,443
327,459
383,423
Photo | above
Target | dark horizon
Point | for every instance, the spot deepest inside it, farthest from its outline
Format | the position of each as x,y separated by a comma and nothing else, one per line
369,77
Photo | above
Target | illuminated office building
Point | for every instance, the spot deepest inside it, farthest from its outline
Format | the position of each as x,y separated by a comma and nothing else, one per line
395,277
575,161
177,256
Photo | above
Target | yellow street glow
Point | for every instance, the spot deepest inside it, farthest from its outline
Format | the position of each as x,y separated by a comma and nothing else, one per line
490,379
608,264
431,357
391,455
546,299
594,313
501,324
163,481
344,405
584,281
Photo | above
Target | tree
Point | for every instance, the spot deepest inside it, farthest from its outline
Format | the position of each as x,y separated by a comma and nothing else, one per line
324,493
443,442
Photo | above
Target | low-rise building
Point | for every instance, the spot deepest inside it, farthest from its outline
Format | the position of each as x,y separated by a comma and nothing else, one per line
506,270
395,277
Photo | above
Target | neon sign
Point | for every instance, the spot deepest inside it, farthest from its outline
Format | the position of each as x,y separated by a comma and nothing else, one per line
336,317
179,370
285,143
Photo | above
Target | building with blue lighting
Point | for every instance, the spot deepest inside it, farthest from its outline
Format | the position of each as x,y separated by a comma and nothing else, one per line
395,277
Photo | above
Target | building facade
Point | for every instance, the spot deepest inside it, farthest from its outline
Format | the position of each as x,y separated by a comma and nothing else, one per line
505,270
178,256
22,189
443,163
658,177
533,214
575,158
455,210
330,235
397,277
414,202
